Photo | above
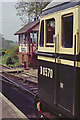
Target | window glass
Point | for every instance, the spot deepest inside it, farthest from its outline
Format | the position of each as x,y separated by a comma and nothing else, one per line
22,38
26,38
33,37
42,34
67,31
50,27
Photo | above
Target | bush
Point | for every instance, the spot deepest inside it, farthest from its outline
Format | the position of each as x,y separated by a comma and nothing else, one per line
3,53
11,57
7,51
0,53
9,61
14,55
16,64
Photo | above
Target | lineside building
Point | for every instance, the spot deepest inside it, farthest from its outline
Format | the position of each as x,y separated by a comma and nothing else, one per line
28,44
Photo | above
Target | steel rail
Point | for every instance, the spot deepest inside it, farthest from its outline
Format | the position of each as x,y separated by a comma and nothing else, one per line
29,75
19,78
5,66
5,79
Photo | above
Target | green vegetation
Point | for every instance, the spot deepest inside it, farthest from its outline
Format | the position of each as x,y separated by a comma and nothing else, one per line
7,44
0,60
29,9
10,57
9,52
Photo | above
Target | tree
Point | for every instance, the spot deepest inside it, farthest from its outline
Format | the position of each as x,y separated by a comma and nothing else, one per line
28,10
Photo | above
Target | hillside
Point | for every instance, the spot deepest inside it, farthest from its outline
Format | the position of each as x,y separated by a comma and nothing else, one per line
6,44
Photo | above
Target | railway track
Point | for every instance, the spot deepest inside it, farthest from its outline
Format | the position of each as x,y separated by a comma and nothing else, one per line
21,99
26,76
22,83
26,85
3,66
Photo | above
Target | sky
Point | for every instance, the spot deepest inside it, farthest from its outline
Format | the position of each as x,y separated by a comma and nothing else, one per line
9,21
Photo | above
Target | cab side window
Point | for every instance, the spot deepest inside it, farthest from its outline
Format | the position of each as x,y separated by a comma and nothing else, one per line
67,31
42,34
50,32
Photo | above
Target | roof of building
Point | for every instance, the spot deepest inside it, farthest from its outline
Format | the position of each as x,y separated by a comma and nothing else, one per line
28,27
57,5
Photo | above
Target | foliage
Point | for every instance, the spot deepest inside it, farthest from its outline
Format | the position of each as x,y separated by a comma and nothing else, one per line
29,9
7,51
3,53
14,53
3,50
0,60
9,61
11,58
17,63
16,49
0,53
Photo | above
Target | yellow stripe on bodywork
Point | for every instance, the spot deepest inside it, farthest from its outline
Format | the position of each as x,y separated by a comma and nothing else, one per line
61,61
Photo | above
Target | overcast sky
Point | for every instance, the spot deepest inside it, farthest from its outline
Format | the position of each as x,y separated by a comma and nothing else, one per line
10,22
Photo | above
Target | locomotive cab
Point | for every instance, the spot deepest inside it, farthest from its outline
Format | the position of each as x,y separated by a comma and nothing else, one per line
59,58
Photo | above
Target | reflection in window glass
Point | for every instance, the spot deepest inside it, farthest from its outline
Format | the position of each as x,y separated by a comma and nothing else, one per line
42,34
67,31
50,31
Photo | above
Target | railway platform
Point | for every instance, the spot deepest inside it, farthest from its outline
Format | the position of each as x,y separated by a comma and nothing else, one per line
9,110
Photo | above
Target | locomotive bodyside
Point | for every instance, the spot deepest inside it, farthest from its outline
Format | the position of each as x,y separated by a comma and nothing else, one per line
59,60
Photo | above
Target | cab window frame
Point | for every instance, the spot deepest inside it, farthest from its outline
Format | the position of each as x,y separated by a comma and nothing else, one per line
63,41
41,42
49,44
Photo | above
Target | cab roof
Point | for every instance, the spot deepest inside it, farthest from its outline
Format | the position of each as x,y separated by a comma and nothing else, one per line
57,5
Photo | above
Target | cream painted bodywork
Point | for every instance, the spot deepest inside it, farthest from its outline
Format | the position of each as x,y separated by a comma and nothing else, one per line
79,26
58,33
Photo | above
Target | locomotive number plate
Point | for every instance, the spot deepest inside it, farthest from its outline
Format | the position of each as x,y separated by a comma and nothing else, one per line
47,72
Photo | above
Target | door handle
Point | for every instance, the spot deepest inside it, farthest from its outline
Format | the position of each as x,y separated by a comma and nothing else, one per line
58,59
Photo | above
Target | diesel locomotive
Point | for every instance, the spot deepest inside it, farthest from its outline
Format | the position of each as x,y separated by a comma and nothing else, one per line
59,59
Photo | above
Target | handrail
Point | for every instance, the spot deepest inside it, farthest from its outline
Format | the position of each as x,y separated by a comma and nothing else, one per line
58,42
74,80
55,87
77,37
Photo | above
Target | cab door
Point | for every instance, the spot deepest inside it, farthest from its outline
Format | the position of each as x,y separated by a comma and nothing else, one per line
66,70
